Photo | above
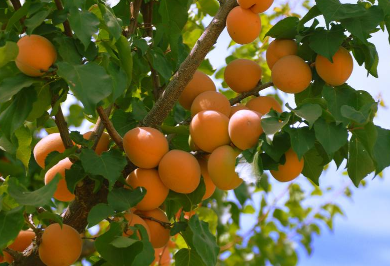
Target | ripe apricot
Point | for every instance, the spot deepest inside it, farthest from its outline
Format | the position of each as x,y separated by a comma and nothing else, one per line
221,167
278,49
22,241
242,75
48,144
156,191
134,219
62,193
236,108
145,146
243,25
256,6
211,100
179,171
103,143
199,83
210,186
60,246
162,256
159,235
291,74
338,72
291,169
245,129
36,55
264,104
209,130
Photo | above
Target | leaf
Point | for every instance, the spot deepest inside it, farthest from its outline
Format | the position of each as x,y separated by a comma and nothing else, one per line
302,140
309,112
50,217
90,83
146,256
123,121
333,10
385,5
119,80
284,29
109,165
160,63
272,122
42,104
12,85
8,53
313,165
123,242
187,201
36,20
280,144
327,42
331,136
18,14
210,7
68,50
24,137
125,57
84,24
313,12
38,198
11,223
242,193
122,199
188,257
111,22
359,116
74,175
98,213
138,109
381,151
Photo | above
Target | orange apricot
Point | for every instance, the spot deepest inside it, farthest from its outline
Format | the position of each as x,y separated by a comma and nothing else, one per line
134,219
199,83
243,25
210,186
22,241
256,6
209,130
278,49
236,108
156,191
179,171
159,235
264,104
162,256
145,146
221,167
103,143
291,169
291,74
242,75
62,193
36,55
48,144
338,72
60,246
211,100
245,129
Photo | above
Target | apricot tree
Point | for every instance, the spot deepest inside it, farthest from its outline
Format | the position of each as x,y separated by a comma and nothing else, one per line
152,178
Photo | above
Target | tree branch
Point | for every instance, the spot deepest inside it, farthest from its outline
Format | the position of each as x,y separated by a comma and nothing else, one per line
62,125
254,92
16,4
134,9
164,224
187,69
67,29
110,128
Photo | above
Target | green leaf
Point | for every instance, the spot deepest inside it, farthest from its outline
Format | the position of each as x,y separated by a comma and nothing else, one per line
109,165
333,10
37,198
42,104
24,137
119,80
313,165
385,5
111,22
302,140
381,151
309,112
11,223
74,175
36,20
123,242
272,122
138,109
68,50
341,155
210,7
313,12
242,193
327,42
76,116
122,199
188,257
280,144
12,85
146,256
160,63
84,24
331,136
50,217
284,29
311,95
90,83
178,227
20,13
123,121
98,213
8,53
358,116
125,57
281,216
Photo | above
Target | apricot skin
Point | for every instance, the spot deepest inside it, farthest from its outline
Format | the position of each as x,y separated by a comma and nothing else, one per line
62,193
60,247
36,55
162,257
211,100
145,146
22,241
48,144
221,167
242,75
103,143
279,49
256,6
245,129
199,83
338,72
156,191
159,236
291,169
243,25
291,74
264,104
209,130
210,186
236,108
179,171
134,219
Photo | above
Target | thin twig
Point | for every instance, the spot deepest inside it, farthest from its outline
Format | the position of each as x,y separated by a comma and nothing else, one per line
164,224
67,28
18,256
134,9
110,128
254,92
31,225
62,125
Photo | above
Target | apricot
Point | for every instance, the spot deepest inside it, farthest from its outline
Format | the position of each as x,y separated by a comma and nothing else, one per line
256,6
192,144
264,104
159,235
134,219
103,143
243,25
210,186
236,108
179,171
199,83
291,169
245,129
62,193
209,130
242,75
156,191
145,146
60,246
48,144
221,166
36,55
162,256
211,100
22,241
278,49
338,72
291,74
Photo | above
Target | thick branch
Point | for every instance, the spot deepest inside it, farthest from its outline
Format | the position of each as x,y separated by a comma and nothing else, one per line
110,128
16,4
67,29
187,69
254,92
62,125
